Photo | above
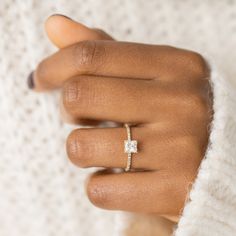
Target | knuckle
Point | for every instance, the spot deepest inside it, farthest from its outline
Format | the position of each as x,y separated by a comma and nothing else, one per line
74,93
72,146
186,144
185,182
75,149
198,105
198,64
87,55
186,148
191,153
96,192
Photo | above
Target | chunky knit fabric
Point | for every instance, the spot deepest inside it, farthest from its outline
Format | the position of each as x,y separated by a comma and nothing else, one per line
41,192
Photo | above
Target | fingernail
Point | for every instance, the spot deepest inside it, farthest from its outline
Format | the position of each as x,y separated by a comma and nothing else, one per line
30,80
56,14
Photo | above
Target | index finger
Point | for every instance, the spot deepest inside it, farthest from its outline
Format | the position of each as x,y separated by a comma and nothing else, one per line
117,59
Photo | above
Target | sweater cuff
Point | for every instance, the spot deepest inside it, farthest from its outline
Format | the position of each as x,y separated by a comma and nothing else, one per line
211,209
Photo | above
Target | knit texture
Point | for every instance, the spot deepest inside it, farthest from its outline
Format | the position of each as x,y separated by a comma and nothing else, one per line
41,192
212,206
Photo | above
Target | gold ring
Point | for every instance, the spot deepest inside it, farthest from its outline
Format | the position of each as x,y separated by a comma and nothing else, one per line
130,146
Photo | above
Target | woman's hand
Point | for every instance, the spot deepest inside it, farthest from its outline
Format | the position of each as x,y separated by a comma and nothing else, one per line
163,91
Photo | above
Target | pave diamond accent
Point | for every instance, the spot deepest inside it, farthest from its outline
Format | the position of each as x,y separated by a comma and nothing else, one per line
130,146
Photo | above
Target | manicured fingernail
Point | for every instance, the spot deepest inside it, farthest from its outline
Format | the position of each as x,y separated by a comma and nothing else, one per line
30,80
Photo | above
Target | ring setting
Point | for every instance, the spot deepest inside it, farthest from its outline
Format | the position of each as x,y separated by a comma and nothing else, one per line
130,147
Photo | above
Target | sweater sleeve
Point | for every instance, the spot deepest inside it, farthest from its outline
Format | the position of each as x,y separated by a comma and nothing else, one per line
211,209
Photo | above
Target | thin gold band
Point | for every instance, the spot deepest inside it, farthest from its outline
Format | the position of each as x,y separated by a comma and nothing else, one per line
130,147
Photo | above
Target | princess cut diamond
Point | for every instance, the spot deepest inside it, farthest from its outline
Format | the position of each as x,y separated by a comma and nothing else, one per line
130,146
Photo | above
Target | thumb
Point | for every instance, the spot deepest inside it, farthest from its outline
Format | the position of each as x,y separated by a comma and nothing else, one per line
63,31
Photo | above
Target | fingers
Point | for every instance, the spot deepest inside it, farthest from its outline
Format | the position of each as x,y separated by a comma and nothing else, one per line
105,148
129,101
110,99
118,59
151,192
63,31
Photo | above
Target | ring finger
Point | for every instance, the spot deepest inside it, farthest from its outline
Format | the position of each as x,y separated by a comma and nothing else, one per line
104,147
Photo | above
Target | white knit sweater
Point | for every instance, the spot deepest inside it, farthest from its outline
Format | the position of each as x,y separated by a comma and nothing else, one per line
41,192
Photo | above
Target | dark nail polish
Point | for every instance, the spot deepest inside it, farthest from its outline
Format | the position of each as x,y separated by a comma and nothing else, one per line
30,80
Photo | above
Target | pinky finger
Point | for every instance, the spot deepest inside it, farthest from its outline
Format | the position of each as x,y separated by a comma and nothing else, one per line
150,192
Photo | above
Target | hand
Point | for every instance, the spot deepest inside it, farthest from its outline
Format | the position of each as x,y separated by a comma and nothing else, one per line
163,91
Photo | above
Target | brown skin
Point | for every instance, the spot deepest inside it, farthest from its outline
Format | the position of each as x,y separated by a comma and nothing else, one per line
162,90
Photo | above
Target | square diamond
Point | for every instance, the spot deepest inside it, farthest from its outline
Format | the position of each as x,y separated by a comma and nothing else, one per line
131,146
